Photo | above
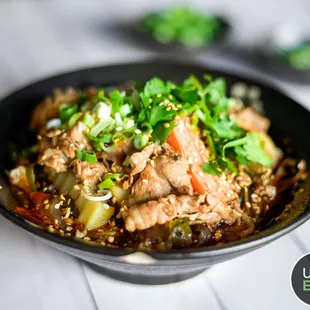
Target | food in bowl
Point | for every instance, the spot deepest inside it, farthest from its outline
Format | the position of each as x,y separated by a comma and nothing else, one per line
155,166
182,25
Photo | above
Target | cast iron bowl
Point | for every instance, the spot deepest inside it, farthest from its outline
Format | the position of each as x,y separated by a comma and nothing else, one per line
288,119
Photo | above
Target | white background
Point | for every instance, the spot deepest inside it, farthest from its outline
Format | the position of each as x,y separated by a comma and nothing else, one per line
40,38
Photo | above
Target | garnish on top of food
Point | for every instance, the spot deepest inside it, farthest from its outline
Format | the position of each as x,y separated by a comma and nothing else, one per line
298,57
158,165
183,25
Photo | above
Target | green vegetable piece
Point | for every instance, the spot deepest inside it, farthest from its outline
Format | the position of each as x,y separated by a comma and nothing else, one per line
73,119
211,168
253,149
107,183
161,131
88,120
116,100
153,87
140,142
67,110
113,176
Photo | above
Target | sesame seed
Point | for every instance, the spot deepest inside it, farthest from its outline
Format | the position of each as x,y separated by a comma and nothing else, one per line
145,181
150,107
166,101
168,109
175,109
57,206
170,97
200,173
46,201
69,200
138,131
150,100
179,106
161,104
119,128
86,239
1,187
111,239
167,125
158,95
62,197
39,137
76,187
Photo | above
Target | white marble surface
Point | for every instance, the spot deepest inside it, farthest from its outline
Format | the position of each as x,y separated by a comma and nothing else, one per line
40,38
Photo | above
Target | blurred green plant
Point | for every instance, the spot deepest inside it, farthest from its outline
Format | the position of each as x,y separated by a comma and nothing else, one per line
183,25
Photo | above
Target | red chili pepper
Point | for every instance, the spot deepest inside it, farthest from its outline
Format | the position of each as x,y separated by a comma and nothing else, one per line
27,213
38,198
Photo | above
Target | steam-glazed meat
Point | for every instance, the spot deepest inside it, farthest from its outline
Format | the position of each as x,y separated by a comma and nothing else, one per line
203,207
160,177
88,173
250,120
49,107
55,159
73,140
139,159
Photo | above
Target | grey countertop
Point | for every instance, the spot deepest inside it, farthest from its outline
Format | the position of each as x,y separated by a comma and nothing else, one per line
41,38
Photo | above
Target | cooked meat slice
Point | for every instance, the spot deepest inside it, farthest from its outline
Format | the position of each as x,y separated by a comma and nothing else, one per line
149,186
206,208
54,158
159,177
139,159
175,171
250,120
148,214
88,173
48,139
49,107
74,139
18,177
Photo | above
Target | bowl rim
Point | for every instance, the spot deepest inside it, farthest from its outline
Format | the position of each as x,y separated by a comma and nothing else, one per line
192,253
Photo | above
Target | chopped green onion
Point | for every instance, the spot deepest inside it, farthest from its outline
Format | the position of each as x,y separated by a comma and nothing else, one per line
100,126
83,98
88,120
80,155
30,150
67,110
146,128
103,139
73,119
101,96
113,176
125,110
31,177
140,142
108,183
88,156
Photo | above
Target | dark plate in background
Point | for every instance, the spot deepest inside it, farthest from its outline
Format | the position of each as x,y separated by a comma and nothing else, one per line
288,119
135,32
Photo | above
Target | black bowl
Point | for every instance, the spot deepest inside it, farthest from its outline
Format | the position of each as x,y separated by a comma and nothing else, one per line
136,33
288,119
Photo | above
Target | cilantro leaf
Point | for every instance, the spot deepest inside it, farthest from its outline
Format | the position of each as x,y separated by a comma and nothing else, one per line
161,132
153,87
211,168
159,113
226,129
116,100
251,148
